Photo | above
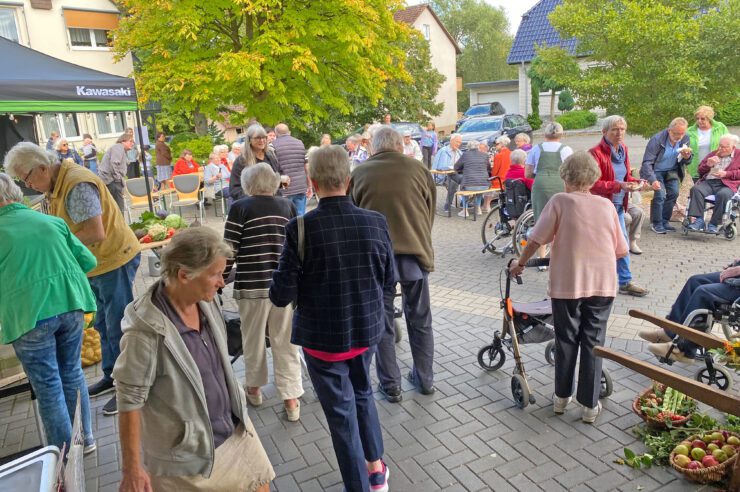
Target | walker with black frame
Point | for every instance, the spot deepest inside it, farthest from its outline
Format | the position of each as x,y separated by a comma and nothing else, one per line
525,323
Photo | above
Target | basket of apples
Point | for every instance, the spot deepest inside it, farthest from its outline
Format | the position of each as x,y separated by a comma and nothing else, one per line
708,457
662,407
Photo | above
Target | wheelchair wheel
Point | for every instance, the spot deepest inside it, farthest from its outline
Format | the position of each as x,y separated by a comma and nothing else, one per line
730,232
607,385
722,378
550,352
398,329
519,391
523,224
496,235
491,358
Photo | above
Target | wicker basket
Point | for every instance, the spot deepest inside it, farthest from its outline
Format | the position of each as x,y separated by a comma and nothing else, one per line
651,421
707,475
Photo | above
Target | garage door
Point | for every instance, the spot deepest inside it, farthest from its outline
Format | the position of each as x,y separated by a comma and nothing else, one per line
509,99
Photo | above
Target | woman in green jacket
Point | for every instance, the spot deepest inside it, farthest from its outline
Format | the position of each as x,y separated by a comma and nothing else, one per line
43,297
703,137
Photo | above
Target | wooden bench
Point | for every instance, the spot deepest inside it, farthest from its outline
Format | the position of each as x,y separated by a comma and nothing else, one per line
471,194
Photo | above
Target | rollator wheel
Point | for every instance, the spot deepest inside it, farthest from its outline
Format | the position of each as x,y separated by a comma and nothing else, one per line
730,232
398,329
722,378
491,358
550,352
607,385
519,391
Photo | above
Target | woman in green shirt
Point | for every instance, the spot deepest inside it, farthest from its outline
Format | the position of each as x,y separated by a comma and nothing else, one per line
43,296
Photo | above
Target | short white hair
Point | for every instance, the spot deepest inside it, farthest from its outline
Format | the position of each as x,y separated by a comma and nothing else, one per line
678,122
260,179
503,140
9,191
612,120
553,130
734,139
329,166
473,144
58,144
518,156
386,139
25,156
523,137
454,136
236,145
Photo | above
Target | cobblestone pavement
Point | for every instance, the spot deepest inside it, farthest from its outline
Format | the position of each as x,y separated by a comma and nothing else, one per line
469,435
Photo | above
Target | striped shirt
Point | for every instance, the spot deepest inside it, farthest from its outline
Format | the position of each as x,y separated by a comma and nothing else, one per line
255,229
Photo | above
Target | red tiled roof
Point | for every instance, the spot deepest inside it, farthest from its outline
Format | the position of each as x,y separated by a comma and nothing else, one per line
409,16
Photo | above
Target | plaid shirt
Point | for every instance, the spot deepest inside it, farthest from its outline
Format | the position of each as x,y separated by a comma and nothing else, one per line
347,266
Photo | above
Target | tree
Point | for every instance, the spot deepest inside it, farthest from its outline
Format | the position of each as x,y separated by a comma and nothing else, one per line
271,59
482,32
565,100
650,60
545,71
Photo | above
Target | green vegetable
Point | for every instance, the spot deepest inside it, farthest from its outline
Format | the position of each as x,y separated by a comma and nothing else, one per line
175,221
158,232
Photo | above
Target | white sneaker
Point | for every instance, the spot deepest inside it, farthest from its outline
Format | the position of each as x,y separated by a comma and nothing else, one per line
590,414
559,404
463,213
478,211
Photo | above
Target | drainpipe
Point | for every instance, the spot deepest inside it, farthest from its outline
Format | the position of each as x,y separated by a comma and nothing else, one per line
526,92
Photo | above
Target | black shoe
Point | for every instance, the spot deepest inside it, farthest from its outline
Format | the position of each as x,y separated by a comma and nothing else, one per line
392,394
102,387
110,408
422,389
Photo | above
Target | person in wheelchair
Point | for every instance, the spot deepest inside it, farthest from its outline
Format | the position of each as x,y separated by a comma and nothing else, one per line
703,291
519,197
719,176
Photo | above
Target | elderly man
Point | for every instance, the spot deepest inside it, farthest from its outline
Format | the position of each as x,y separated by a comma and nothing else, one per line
663,167
291,156
339,337
445,160
615,184
719,175
113,167
411,147
402,189
81,198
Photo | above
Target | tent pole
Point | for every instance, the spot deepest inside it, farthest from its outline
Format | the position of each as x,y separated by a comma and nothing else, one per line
143,161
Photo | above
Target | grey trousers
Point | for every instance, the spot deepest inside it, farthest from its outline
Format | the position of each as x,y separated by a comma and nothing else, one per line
418,313
116,189
580,325
633,219
453,183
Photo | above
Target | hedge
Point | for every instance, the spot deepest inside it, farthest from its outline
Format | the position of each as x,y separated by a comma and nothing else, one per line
201,147
729,113
574,120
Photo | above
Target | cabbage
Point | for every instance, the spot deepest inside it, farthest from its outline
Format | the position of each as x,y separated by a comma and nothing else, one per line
175,221
158,232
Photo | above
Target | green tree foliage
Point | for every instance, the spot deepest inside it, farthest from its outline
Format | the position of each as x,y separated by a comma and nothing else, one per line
565,100
482,32
650,60
276,60
545,71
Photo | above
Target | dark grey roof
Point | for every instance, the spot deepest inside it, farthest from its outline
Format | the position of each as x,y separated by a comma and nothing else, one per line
495,83
535,30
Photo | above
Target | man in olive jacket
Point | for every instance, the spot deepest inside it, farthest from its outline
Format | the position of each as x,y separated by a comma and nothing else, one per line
402,189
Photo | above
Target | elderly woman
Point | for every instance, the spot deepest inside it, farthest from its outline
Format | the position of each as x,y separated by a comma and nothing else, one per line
586,241
502,159
719,175
186,164
65,152
475,167
522,141
703,137
85,203
325,140
255,229
516,170
179,398
44,295
255,150
215,177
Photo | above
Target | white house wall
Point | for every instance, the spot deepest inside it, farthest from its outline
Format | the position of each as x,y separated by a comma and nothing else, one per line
444,60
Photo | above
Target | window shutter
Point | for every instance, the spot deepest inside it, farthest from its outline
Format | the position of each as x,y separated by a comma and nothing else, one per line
83,19
41,4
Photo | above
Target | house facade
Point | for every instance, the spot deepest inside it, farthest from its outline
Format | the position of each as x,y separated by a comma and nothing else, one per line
444,51
76,31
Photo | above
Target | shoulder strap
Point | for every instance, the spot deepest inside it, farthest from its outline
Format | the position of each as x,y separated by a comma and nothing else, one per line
301,238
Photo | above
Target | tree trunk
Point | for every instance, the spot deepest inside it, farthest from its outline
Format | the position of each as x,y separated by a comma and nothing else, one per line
552,105
201,123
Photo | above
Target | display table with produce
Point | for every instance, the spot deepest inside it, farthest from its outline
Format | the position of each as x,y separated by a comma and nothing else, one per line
156,228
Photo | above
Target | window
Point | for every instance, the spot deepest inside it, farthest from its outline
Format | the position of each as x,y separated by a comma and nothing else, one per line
89,38
426,31
8,25
64,123
110,123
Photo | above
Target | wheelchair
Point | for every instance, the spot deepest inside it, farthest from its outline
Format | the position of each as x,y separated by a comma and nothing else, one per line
728,228
505,227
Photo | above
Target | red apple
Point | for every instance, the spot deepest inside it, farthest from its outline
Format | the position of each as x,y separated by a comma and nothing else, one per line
709,461
698,443
694,465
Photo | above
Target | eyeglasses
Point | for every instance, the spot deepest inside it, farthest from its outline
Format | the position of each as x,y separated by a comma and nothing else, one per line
259,138
25,180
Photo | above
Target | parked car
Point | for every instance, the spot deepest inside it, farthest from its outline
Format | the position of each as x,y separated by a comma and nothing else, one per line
485,109
399,126
488,128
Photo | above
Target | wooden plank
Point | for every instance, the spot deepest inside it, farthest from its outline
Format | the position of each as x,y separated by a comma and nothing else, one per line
442,172
706,340
721,400
155,244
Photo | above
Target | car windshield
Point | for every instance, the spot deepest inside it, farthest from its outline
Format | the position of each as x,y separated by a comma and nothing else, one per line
405,127
480,125
478,110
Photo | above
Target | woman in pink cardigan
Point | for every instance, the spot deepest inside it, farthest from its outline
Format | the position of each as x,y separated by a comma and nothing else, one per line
586,242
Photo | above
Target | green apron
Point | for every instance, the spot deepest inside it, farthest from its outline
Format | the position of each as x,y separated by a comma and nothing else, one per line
547,181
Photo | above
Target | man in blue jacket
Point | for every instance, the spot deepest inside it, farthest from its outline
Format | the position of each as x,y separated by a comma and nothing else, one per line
663,167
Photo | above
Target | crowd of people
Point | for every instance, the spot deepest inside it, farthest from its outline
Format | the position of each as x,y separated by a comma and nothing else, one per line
319,284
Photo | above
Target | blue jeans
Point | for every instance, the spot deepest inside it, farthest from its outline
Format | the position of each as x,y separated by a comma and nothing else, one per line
299,201
113,292
623,264
92,165
478,198
50,354
661,208
345,392
701,291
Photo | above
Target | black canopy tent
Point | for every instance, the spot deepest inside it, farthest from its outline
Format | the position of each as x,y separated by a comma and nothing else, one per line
33,83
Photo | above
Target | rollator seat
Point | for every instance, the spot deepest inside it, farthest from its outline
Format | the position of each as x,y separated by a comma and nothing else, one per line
538,308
